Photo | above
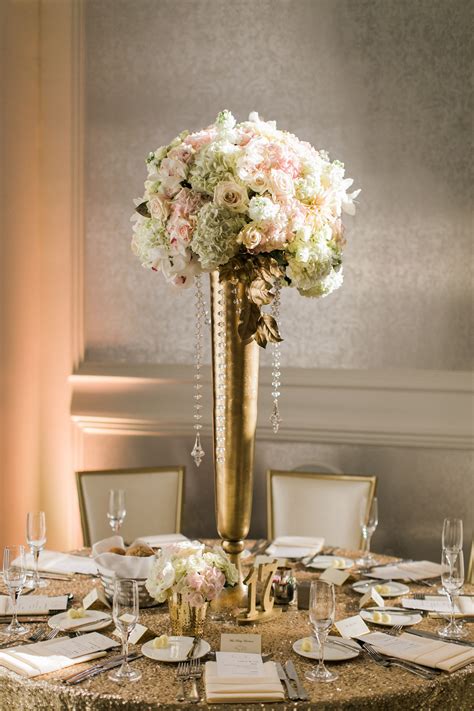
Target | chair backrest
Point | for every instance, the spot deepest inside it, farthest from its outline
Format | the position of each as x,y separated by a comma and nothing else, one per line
153,500
470,568
316,504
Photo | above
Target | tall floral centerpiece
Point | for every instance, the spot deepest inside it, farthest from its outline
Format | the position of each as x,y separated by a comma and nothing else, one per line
258,210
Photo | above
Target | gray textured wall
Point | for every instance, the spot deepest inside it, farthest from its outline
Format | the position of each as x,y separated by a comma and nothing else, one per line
379,83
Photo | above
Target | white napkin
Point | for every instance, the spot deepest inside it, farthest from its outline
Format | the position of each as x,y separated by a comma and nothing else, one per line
44,657
123,566
55,562
416,570
430,652
243,689
163,539
33,605
295,546
463,606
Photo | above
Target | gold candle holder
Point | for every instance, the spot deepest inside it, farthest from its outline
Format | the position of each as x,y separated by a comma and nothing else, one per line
233,467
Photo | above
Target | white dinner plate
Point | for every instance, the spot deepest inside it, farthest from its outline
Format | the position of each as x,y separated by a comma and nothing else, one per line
321,562
177,650
396,618
334,649
98,621
395,589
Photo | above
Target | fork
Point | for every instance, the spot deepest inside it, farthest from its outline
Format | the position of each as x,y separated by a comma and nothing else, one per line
182,674
195,673
395,630
387,661
40,635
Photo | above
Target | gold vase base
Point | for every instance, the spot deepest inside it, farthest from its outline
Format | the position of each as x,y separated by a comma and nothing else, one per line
258,617
231,600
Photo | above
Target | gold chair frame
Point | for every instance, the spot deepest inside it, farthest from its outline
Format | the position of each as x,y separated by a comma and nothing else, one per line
372,480
139,470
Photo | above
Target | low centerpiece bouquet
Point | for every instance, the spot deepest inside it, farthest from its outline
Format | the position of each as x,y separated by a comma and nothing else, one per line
189,575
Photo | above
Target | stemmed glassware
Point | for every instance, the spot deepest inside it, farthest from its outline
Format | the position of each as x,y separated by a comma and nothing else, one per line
36,539
14,575
369,518
125,614
322,608
116,512
452,536
452,577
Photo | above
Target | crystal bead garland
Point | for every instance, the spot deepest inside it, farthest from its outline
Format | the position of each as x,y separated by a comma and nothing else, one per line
221,367
275,418
200,319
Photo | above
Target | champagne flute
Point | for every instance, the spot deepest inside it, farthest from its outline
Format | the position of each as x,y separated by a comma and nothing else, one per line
117,511
452,537
369,518
36,539
452,577
125,614
14,575
322,608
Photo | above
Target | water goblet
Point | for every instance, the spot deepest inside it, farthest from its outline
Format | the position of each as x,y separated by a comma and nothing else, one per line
125,614
36,539
14,575
116,512
322,608
452,577
369,518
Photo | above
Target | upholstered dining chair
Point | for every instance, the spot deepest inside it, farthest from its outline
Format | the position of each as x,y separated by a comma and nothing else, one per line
470,567
317,504
153,500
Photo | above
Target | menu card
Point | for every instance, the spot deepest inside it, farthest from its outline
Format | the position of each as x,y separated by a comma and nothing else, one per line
33,604
250,643
416,570
230,664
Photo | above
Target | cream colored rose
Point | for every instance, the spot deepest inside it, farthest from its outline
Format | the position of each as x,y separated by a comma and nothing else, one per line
231,195
281,185
250,236
159,207
258,182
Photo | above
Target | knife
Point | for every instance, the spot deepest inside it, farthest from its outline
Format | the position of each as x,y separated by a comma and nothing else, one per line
430,635
194,646
292,693
293,675
99,669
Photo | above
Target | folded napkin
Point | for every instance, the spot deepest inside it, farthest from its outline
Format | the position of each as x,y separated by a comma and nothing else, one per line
416,570
44,657
429,652
295,546
238,689
55,562
463,606
122,566
163,539
33,604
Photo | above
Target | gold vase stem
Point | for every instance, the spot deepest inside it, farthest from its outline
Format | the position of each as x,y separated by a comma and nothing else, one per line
234,468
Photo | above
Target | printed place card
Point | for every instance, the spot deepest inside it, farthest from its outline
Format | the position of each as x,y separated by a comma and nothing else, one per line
230,664
140,633
335,576
352,627
372,596
243,643
95,600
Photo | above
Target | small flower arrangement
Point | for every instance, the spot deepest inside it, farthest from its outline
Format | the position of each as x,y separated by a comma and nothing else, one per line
254,202
191,570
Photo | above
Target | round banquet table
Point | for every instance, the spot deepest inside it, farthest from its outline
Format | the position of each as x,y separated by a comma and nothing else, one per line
361,683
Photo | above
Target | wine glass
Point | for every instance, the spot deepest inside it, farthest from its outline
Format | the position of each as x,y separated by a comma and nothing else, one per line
369,518
36,539
322,608
452,537
125,614
14,575
117,511
452,577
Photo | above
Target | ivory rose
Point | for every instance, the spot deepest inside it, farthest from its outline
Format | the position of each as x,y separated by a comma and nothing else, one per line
231,195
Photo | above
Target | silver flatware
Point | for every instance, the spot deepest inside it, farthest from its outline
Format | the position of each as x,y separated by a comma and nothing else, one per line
195,673
258,544
430,635
182,675
194,648
100,668
293,675
290,689
388,661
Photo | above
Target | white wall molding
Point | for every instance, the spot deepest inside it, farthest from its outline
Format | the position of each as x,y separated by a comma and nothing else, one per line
432,409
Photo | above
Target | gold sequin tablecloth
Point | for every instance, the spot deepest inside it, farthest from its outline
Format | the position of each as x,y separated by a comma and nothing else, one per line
361,684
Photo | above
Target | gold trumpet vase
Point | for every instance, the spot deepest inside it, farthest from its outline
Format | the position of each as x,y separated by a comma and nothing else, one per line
235,391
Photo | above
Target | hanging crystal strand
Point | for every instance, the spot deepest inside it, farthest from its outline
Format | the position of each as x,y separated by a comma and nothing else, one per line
200,317
275,417
221,367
